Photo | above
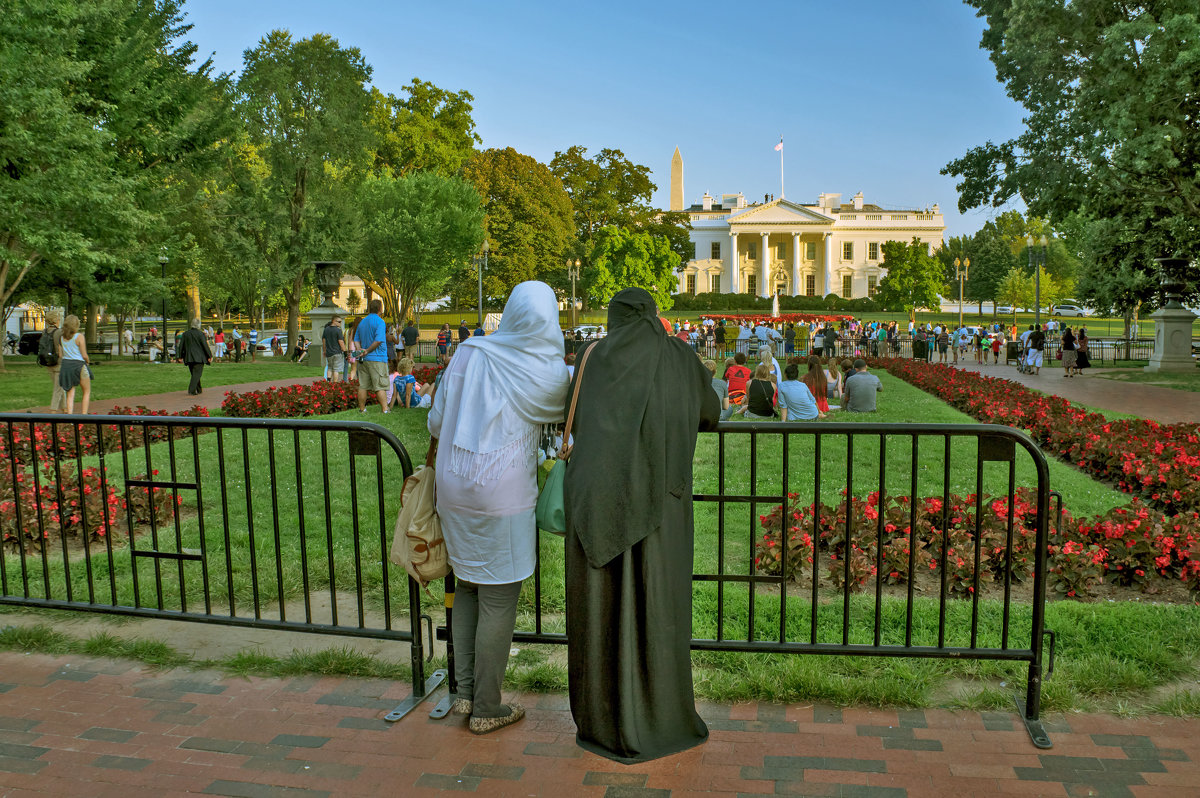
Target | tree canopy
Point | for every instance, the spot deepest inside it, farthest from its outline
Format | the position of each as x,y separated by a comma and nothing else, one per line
1112,132
428,129
416,229
528,223
914,277
305,106
625,258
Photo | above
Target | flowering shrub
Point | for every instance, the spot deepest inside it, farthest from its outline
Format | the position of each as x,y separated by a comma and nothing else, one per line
1158,462
294,401
38,505
897,540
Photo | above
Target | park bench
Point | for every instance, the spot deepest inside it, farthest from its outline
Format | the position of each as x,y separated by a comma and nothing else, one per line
100,348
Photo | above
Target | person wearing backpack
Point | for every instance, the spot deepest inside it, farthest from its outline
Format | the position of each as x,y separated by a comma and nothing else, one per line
48,356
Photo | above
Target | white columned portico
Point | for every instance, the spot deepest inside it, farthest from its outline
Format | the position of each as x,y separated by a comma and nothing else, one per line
764,273
733,287
795,264
828,264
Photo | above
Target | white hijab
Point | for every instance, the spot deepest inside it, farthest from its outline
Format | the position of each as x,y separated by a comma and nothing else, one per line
519,368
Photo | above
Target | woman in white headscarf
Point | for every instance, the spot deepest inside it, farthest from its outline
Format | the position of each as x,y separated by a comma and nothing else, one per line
487,415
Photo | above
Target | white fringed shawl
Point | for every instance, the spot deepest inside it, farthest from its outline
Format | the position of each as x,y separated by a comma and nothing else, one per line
518,368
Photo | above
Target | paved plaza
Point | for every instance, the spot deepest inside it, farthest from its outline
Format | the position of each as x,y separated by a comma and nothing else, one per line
73,726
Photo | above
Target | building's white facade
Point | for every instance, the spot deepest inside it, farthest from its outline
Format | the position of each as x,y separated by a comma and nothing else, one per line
796,249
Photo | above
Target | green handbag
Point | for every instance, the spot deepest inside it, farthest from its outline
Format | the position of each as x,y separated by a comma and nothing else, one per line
551,510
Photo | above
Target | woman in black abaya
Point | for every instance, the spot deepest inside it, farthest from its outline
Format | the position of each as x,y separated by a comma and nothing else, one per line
628,491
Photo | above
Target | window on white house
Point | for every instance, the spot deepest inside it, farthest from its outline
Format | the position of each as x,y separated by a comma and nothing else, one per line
714,281
752,284
715,250
810,250
872,286
873,250
810,285
691,284
848,250
847,286
752,251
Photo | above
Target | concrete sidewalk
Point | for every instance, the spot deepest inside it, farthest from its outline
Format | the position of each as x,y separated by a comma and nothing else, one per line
73,726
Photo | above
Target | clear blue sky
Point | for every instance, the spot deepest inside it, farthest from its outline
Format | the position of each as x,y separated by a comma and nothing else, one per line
873,96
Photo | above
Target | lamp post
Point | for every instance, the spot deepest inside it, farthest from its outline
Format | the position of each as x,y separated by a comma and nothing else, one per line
573,273
1040,260
960,270
162,262
481,264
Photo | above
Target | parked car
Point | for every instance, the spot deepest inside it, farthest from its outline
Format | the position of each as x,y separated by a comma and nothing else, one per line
264,345
1071,310
588,331
1005,310
28,344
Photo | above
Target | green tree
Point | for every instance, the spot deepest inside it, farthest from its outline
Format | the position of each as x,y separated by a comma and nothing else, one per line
305,106
528,221
353,300
625,258
609,189
914,277
415,230
1015,289
428,129
1112,134
993,259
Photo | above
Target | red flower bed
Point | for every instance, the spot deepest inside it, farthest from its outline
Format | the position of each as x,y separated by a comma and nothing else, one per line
792,317
1127,546
294,401
1158,462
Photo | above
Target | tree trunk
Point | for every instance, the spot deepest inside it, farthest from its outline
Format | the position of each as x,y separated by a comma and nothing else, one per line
93,318
293,319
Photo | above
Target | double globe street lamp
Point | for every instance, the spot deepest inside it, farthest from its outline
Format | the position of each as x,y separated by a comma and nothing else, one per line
1040,260
481,264
960,271
573,273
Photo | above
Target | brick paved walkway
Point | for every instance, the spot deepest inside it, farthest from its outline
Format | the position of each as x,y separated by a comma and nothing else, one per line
72,726
1167,405
180,400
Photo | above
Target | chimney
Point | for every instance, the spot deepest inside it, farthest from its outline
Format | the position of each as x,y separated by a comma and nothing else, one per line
858,201
706,201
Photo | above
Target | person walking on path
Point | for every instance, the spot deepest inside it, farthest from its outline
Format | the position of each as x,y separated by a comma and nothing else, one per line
333,347
1069,353
371,338
48,356
193,351
487,417
74,366
629,541
1037,344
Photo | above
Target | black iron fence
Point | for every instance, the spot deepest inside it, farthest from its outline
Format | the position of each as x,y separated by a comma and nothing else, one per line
895,540
273,524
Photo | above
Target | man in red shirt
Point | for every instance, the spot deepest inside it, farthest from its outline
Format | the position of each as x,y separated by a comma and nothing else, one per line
737,375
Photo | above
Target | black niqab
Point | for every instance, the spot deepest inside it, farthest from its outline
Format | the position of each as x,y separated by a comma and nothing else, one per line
639,384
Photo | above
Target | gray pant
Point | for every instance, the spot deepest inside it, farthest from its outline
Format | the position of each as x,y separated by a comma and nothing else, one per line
484,619
58,397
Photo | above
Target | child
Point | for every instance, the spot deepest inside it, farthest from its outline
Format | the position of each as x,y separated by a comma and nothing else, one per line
406,385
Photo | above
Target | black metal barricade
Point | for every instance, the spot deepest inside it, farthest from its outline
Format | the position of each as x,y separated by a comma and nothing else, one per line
264,523
831,504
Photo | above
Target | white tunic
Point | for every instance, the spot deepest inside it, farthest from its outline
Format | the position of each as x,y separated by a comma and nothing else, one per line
491,535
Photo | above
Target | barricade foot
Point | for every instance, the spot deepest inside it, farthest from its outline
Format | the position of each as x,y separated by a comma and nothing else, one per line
1037,732
413,701
443,707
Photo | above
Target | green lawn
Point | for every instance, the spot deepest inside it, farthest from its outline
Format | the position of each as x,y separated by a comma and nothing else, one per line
25,384
1100,666
1186,381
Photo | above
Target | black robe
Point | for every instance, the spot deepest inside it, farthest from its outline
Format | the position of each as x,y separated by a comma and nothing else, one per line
628,495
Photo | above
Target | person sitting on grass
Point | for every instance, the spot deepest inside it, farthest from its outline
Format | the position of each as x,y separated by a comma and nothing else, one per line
818,383
405,385
761,397
796,402
861,388
736,376
722,390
